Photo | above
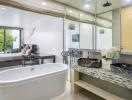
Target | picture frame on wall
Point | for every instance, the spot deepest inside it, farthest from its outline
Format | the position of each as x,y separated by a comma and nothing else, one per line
75,38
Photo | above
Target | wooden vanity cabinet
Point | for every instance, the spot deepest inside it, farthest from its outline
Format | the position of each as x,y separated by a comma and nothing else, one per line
126,26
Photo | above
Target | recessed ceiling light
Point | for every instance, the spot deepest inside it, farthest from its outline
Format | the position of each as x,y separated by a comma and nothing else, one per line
44,3
3,8
110,17
81,14
128,0
70,11
87,6
88,0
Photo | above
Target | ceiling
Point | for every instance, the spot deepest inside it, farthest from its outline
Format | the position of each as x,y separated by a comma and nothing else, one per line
88,6
107,15
85,5
96,6
92,4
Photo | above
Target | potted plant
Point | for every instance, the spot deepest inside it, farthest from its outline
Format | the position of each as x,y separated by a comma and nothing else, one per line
108,56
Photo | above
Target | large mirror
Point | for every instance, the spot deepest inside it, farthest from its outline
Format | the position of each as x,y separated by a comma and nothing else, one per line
87,24
104,31
111,19
79,24
108,24
92,24
71,29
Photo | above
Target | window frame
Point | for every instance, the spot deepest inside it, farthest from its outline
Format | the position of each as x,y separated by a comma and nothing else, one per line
11,28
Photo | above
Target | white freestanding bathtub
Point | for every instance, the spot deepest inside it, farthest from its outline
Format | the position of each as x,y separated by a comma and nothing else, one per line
40,82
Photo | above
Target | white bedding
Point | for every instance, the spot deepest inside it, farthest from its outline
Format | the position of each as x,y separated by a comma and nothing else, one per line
10,56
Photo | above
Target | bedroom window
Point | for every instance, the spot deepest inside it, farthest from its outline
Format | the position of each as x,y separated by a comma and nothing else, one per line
10,40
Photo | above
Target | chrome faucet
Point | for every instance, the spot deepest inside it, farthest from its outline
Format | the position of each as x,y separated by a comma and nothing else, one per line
32,69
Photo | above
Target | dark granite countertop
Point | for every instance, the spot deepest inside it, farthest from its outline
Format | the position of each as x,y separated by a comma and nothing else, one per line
105,75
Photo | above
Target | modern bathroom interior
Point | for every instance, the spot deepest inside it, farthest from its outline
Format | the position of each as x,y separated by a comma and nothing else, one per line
65,50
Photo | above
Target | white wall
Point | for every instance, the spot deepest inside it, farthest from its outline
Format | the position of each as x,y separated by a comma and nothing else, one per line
48,34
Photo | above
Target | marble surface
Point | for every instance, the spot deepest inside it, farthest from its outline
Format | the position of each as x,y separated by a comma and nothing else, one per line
105,75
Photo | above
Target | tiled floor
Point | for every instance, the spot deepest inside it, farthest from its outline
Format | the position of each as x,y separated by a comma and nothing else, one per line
80,96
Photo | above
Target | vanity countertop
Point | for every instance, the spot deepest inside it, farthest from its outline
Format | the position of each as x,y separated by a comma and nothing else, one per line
105,75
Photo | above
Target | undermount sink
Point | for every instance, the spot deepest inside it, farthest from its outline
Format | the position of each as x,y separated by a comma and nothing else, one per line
123,69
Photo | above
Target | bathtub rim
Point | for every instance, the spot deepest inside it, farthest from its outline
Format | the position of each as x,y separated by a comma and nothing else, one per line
10,83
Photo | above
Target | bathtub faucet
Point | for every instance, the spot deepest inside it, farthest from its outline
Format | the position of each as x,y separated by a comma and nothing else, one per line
32,69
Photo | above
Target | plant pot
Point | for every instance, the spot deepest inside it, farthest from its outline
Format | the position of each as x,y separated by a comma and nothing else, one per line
106,64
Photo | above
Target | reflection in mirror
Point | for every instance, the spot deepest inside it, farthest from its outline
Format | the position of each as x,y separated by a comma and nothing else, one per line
104,31
87,23
86,36
108,24
72,36
78,25
81,19
71,29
